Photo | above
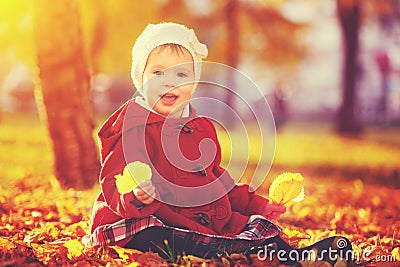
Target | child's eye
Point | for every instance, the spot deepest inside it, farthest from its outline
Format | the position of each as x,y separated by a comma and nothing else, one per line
182,75
158,72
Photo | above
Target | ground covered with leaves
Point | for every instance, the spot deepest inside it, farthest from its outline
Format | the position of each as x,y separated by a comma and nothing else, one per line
352,188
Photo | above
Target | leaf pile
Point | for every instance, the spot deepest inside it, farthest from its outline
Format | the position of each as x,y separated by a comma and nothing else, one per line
42,225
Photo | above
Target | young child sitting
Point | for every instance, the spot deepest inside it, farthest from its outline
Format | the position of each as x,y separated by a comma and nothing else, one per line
190,201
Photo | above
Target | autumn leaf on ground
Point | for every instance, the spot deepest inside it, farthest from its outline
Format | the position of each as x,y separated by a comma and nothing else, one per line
47,233
307,263
313,259
76,230
133,174
396,253
151,259
286,188
46,253
293,236
125,253
6,244
75,248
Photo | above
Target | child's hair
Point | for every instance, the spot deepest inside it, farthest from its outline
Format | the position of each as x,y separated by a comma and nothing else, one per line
174,48
172,35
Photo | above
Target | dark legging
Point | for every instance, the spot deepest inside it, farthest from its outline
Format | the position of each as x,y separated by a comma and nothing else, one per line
153,239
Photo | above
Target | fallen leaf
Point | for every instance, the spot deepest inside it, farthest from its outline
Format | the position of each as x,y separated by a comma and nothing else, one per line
125,253
75,248
151,259
293,236
45,253
133,264
7,244
78,229
396,253
341,263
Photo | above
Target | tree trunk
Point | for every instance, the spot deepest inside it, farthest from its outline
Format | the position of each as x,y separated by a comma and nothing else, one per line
65,91
383,61
349,17
232,49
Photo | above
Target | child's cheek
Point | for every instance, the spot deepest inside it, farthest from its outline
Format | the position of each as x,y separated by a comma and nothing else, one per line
150,90
146,89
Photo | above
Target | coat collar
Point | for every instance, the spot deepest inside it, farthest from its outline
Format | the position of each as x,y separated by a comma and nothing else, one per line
131,114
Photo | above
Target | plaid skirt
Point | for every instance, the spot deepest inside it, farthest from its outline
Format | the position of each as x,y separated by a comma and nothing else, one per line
150,233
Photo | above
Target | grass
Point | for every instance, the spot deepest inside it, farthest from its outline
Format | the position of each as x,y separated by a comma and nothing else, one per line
316,145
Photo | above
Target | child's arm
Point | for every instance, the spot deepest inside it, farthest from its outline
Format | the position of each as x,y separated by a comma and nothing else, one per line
245,200
248,202
114,163
242,198
170,217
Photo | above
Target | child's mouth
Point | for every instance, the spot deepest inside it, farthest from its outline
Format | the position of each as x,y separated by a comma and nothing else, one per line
168,99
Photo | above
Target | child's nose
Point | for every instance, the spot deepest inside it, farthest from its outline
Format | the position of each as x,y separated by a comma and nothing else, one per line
170,80
169,84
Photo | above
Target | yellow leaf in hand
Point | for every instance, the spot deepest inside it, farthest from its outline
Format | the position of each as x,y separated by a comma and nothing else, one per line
124,183
287,187
300,197
75,248
133,174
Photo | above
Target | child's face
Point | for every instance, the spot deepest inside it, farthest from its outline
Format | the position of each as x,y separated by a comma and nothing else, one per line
165,72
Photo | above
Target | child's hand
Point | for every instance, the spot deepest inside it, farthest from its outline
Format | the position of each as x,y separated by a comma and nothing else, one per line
142,196
273,211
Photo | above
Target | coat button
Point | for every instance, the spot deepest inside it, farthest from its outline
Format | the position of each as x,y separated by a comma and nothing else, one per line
185,128
200,168
204,220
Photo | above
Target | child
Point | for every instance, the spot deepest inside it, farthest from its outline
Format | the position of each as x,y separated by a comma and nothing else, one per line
160,128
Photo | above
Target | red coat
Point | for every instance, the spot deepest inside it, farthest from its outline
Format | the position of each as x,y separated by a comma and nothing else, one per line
224,216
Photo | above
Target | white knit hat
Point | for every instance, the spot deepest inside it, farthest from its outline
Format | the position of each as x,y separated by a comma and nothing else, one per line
155,35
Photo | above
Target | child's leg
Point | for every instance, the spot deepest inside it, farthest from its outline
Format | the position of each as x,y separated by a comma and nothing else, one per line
154,239
158,240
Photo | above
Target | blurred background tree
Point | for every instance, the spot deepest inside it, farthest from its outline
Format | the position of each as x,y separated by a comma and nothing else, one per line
65,83
350,18
387,16
351,14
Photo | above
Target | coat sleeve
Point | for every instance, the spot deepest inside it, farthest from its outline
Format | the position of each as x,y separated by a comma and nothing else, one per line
242,198
114,163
